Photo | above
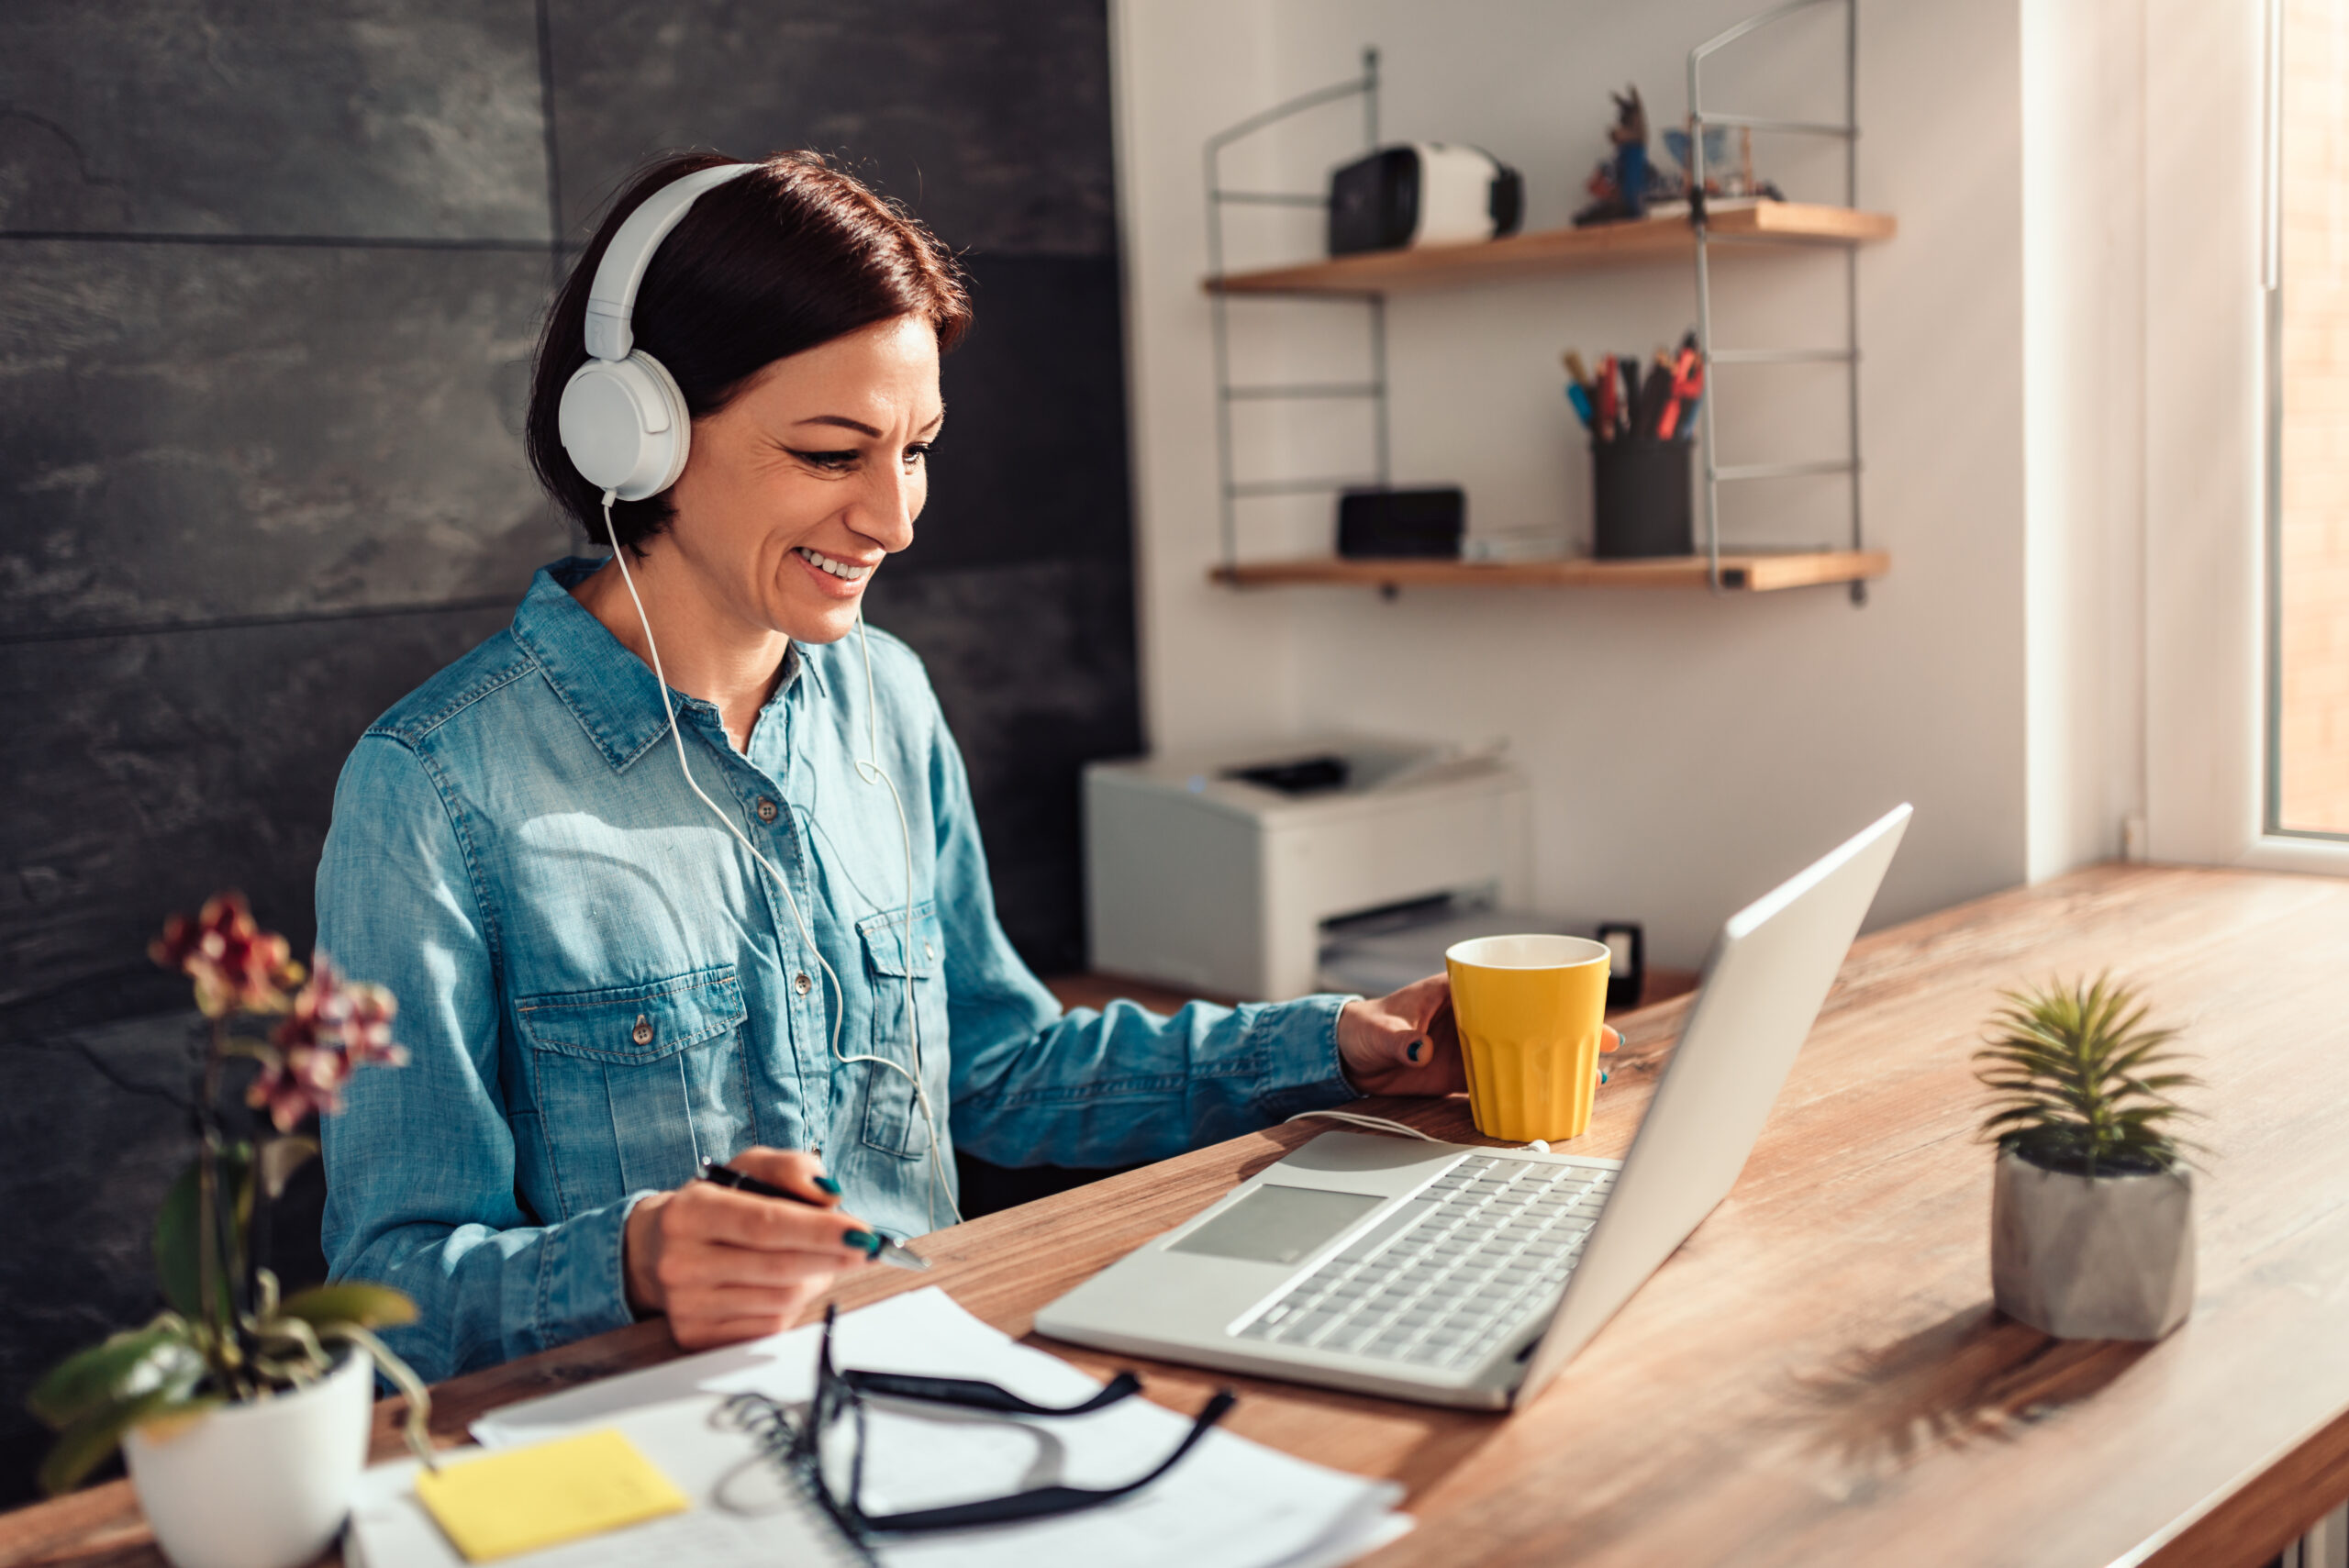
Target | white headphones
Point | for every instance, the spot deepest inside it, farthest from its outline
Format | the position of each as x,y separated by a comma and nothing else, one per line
623,420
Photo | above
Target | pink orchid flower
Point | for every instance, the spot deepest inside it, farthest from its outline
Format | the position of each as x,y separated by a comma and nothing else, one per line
237,966
332,1027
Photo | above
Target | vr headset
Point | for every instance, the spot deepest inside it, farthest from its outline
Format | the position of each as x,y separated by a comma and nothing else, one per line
1423,193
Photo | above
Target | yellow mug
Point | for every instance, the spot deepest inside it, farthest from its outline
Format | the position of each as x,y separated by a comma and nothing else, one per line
1531,1010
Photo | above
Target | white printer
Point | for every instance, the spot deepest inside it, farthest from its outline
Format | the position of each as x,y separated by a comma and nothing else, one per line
1215,870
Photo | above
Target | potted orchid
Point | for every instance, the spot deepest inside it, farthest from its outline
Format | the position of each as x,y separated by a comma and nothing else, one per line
243,1415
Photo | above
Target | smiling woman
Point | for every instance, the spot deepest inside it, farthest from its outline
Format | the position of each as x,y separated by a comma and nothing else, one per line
675,871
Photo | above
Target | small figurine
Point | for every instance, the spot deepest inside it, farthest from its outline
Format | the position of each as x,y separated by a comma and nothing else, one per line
1722,183
1630,139
1719,180
1622,190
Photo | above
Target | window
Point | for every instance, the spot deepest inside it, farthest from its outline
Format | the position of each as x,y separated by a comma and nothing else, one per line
2308,783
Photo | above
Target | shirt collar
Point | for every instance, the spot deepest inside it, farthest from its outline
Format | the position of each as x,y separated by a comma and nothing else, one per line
608,689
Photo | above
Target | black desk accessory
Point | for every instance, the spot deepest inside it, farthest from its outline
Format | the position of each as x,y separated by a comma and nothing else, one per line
1300,775
1627,964
1642,499
1388,523
1642,431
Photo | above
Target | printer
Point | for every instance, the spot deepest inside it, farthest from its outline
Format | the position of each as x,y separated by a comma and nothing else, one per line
1217,869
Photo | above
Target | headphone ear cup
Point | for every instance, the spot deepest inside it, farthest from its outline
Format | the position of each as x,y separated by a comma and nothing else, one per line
679,421
624,426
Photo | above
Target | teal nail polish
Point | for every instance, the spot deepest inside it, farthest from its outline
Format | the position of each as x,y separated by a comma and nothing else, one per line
864,1241
828,1184
1412,1055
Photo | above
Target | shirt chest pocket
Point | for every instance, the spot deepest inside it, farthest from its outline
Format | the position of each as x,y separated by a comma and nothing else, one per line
634,1085
904,968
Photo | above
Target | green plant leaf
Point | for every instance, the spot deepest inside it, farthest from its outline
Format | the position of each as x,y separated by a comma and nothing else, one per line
353,1301
419,1425
2080,1081
280,1158
277,1333
124,1366
176,1268
84,1445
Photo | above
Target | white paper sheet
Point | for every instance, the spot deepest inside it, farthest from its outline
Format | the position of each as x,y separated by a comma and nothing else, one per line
1230,1501
389,1529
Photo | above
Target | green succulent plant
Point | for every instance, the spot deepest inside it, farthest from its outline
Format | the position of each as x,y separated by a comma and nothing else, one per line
2080,1085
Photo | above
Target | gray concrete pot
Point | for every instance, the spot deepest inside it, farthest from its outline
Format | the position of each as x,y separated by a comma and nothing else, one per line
2092,1258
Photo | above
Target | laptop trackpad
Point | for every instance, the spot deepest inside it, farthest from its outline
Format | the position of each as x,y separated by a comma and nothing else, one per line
1277,1225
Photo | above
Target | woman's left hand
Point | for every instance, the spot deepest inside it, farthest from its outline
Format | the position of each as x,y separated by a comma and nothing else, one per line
1407,1042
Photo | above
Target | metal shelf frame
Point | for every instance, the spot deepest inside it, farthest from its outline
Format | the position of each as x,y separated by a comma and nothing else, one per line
1230,489
1847,130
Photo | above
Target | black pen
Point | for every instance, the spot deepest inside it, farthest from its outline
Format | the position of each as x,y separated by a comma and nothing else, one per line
883,1250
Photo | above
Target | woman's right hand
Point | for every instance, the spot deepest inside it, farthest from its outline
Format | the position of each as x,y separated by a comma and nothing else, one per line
728,1265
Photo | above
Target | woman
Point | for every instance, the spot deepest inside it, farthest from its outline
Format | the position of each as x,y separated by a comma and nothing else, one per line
759,934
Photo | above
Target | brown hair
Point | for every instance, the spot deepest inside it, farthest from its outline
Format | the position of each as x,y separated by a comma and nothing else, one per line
768,265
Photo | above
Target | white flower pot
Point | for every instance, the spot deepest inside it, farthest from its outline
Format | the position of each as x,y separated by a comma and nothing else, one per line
2092,1258
264,1484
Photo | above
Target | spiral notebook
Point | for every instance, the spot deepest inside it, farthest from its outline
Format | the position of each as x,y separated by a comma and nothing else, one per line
1232,1501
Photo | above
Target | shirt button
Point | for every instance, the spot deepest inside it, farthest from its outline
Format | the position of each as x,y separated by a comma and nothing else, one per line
799,983
642,1033
766,809
927,952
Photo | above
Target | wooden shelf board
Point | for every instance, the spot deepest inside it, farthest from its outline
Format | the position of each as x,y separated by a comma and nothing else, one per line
1560,250
1754,574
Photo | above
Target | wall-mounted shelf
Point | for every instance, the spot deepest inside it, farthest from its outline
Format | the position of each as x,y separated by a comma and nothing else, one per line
1561,251
1365,281
1753,573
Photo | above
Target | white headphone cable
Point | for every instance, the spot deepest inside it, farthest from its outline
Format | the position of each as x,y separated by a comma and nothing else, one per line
1381,1124
872,772
839,1000
1356,1119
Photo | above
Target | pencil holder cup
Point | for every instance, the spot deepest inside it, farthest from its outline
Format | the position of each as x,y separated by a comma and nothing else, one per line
1641,499
1530,1009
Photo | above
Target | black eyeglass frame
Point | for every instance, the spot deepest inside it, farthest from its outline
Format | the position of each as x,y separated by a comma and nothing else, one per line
840,1392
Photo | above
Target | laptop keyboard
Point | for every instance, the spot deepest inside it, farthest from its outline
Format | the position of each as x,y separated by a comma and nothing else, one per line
1452,1272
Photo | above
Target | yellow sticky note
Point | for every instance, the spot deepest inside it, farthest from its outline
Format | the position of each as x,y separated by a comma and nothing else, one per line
545,1495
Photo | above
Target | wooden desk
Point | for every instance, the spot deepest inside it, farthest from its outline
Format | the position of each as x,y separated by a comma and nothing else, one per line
1095,990
1818,1376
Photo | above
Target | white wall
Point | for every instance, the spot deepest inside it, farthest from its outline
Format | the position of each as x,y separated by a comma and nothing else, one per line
2084,406
2205,436
1684,751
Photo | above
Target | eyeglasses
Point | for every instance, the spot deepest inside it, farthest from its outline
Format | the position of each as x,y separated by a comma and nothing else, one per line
824,1444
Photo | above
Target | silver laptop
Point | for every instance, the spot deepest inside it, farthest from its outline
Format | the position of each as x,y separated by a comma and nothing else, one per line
1462,1275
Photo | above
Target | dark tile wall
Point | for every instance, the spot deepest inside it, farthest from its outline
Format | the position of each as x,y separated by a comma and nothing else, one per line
416,119
200,430
990,119
270,275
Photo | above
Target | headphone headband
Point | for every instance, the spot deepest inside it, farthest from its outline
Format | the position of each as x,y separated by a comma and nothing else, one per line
611,302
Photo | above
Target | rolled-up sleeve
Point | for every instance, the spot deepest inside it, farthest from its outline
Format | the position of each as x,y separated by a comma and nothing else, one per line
420,1164
1034,1085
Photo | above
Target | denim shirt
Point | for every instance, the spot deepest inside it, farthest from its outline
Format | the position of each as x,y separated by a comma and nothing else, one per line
598,987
